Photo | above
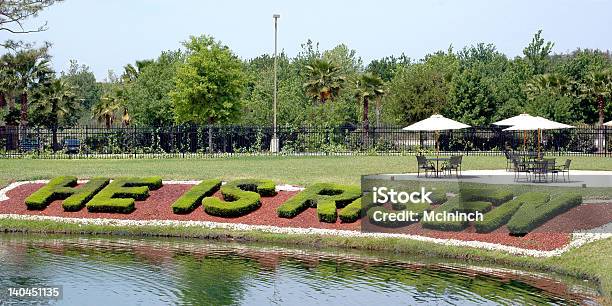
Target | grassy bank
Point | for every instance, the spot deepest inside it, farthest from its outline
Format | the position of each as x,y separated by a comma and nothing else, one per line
588,262
285,169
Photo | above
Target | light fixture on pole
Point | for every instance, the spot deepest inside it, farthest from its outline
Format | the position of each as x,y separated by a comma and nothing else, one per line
274,145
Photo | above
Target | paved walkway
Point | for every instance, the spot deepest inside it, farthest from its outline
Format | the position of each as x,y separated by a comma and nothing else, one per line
578,178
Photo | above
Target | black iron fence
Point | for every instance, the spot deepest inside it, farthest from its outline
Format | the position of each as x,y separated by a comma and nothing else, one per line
203,141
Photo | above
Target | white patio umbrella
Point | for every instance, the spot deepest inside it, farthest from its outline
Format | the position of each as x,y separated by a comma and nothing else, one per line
538,124
436,123
512,121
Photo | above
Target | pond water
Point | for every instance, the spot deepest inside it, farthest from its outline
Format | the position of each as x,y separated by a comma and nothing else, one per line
142,271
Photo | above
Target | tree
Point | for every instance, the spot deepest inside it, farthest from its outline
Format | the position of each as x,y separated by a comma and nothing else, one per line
421,89
388,66
148,95
131,72
323,80
55,105
84,84
537,53
209,86
472,95
14,13
598,87
110,104
369,87
30,69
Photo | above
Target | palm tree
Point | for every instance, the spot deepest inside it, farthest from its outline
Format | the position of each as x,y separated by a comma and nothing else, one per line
369,86
131,72
323,80
106,109
30,68
541,83
598,86
54,104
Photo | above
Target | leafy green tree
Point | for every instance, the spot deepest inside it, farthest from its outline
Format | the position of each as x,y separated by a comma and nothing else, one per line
209,86
84,84
421,89
324,80
472,93
148,94
537,53
55,105
388,66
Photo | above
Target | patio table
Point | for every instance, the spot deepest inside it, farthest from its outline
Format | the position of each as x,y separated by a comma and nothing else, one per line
539,168
438,160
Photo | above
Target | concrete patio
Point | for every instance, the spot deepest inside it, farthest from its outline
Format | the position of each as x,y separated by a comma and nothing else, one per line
577,178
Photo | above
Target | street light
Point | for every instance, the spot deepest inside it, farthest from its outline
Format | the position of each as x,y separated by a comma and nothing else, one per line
274,145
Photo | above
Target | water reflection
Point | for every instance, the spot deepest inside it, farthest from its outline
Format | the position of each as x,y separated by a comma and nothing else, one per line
105,271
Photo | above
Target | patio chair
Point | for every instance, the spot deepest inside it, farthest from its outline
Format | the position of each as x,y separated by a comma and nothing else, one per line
551,168
454,163
423,164
539,170
519,167
509,156
565,168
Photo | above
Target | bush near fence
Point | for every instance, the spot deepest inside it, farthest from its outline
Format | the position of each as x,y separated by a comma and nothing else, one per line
190,140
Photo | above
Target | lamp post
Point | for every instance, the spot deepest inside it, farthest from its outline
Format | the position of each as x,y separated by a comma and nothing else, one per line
274,145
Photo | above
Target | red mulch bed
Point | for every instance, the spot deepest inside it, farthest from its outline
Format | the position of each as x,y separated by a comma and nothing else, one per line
549,236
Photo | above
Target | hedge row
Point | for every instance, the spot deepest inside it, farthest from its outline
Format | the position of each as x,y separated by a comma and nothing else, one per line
352,212
495,196
534,214
119,196
502,214
456,205
58,188
326,197
240,197
189,201
84,194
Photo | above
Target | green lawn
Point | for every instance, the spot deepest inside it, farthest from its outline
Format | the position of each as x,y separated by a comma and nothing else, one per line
292,170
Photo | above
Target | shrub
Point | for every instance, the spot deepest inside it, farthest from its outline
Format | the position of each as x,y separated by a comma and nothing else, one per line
265,188
240,197
352,212
456,205
323,194
119,196
438,196
189,201
533,214
85,193
58,188
495,196
500,215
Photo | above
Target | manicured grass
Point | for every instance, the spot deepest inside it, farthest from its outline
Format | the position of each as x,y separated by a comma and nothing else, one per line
590,261
283,169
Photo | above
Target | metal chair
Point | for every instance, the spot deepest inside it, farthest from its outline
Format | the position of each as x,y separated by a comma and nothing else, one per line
519,167
454,163
565,168
423,164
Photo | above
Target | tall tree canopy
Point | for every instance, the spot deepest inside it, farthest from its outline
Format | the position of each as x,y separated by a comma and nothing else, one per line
210,84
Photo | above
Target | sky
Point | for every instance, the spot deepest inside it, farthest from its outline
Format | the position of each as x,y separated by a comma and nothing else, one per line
108,34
